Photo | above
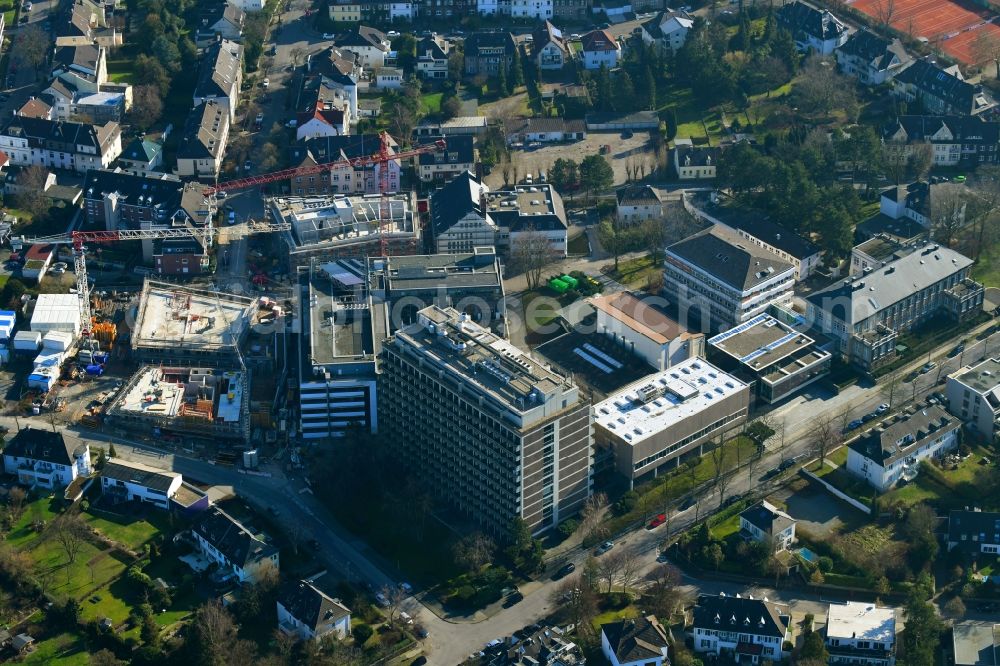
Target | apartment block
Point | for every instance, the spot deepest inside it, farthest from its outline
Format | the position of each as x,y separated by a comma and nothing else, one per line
490,429
667,417
974,396
861,634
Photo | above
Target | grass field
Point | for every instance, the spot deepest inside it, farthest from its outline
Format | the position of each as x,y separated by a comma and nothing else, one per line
430,103
64,649
92,569
635,272
131,532
987,269
22,533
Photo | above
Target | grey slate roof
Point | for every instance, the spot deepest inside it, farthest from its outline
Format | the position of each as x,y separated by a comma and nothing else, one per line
548,34
886,445
739,614
84,55
978,527
44,445
489,40
872,48
729,258
767,518
459,150
698,155
965,129
638,195
148,477
326,149
867,295
231,538
459,197
155,191
762,228
309,605
636,639
799,17
202,138
930,79
362,36
219,70
141,150
70,134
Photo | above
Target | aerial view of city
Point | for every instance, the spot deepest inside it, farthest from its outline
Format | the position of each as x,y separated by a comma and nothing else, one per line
500,332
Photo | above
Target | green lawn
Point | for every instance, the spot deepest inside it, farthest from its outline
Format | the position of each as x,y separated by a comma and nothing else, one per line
726,528
430,103
987,269
853,486
92,569
131,532
635,272
22,533
120,70
614,615
64,649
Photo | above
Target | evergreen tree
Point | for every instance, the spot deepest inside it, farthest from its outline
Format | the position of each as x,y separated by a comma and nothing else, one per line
605,97
625,99
649,87
516,70
671,122
111,452
502,88
784,48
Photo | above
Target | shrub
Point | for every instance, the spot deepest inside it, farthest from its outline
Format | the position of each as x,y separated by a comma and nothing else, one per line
618,600
626,503
464,594
361,633
567,527
825,564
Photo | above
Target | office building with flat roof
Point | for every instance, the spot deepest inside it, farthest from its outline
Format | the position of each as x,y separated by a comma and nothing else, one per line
667,417
338,344
491,430
770,355
974,396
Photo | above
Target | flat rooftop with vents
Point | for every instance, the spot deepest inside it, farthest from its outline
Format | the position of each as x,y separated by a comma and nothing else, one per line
178,322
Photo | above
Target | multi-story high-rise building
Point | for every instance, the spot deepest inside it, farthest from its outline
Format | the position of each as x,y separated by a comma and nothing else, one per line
490,429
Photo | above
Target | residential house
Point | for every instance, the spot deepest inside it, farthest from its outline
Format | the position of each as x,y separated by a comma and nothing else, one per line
727,279
220,76
892,450
673,27
45,458
600,49
345,11
572,10
871,58
402,10
865,314
769,525
333,90
529,9
757,228
203,141
638,203
745,629
371,45
913,201
527,211
617,122
448,8
310,614
60,145
457,157
36,108
84,68
124,481
322,120
549,48
638,641
249,5
86,22
333,62
771,354
861,634
225,541
941,90
487,7
955,140
389,78
223,21
457,126
432,58
548,130
695,162
460,219
812,28
38,258
973,394
486,52
975,643
645,330
346,179
974,531
142,155
616,11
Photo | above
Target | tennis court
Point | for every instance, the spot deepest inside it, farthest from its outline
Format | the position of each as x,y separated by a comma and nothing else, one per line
952,25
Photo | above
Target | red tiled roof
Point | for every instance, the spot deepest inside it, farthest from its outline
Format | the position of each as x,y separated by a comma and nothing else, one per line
3,158
40,252
599,40
334,117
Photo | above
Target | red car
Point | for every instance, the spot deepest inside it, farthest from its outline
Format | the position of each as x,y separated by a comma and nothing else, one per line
656,522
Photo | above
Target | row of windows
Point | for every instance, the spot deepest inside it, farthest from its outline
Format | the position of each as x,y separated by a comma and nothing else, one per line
690,438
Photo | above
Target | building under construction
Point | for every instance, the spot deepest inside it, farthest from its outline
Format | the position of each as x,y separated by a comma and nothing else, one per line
179,400
181,325
342,226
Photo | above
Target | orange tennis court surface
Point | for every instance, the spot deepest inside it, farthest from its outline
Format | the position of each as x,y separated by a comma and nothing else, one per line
951,25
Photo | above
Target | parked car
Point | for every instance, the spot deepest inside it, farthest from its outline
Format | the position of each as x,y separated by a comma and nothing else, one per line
565,570
657,521
513,599
247,165
882,409
957,350
662,557
27,6
928,367
405,618
421,632
771,473
406,587
266,83
221,194
381,599
314,544
688,503
733,499
853,425
419,661
604,547
329,35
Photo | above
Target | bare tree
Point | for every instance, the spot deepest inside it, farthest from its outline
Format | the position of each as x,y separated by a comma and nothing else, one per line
821,436
31,46
30,195
590,517
15,499
654,232
920,158
297,53
885,11
214,632
147,106
394,597
473,551
578,599
948,202
530,254
630,564
986,48
984,209
719,477
821,88
70,532
663,595
890,384
610,566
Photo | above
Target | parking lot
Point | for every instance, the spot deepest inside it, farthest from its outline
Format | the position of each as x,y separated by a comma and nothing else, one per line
637,149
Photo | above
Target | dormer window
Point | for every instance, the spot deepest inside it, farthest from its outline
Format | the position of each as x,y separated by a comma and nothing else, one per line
717,618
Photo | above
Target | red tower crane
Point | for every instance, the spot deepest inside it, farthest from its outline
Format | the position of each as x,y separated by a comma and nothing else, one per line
382,156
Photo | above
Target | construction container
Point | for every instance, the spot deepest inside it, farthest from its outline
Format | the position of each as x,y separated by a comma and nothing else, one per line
58,340
49,358
56,312
27,342
4,355
43,379
95,370
250,459
558,285
570,280
7,320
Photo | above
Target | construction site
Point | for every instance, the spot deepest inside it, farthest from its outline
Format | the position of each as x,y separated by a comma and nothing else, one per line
342,226
179,400
180,324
